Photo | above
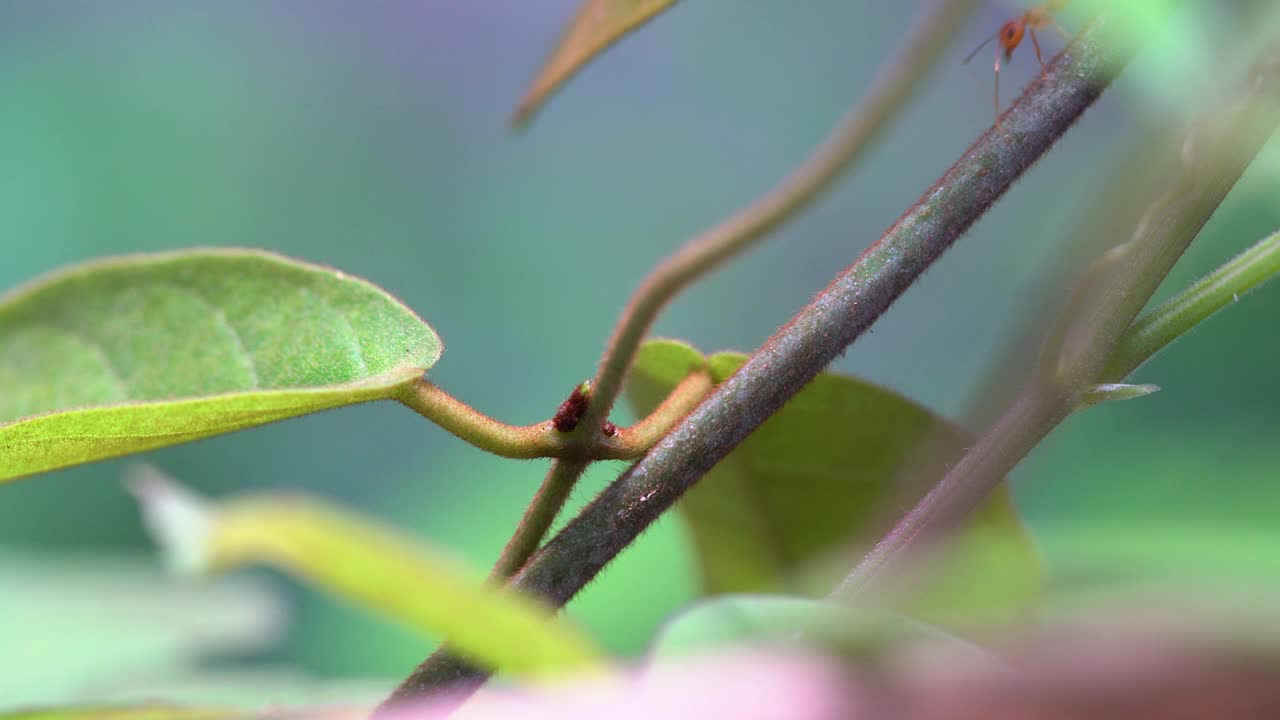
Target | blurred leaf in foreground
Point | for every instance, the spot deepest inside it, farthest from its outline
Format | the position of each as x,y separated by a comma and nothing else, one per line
361,561
166,711
729,621
149,711
76,628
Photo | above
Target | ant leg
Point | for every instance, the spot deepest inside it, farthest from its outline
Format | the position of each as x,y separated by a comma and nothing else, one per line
997,84
1035,42
1061,30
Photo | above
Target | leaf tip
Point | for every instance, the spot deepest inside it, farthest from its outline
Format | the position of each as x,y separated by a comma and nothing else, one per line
178,519
520,117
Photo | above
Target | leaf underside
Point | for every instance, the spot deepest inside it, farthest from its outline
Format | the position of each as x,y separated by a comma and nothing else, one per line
139,352
793,506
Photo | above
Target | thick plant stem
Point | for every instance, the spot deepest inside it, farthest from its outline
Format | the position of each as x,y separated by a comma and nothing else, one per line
1214,156
682,400
1154,331
820,332
938,22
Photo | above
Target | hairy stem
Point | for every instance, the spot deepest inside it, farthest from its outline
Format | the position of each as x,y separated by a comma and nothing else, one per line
1214,156
486,433
561,478
538,517
820,332
543,439
682,400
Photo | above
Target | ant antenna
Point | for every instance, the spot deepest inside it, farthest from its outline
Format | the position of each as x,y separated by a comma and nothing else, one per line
978,49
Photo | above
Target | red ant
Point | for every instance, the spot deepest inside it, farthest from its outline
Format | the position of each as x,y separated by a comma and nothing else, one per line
1011,33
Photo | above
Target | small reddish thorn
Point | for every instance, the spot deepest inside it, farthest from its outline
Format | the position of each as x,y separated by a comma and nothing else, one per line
570,412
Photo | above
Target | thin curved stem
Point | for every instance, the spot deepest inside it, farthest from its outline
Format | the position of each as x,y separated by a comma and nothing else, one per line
537,518
682,400
1152,332
938,22
511,441
543,439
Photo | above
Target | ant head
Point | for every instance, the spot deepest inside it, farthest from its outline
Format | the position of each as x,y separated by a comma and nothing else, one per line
1010,36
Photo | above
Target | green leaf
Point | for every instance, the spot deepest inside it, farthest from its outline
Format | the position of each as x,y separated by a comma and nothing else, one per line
1101,555
823,478
135,353
598,24
354,558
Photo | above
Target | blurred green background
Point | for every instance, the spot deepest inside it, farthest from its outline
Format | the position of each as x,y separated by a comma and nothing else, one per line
371,136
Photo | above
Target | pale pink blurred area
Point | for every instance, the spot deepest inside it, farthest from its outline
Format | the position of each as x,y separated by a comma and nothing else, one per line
1081,673
744,685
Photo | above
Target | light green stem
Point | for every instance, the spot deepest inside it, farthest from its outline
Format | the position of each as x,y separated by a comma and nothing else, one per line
1152,332
542,439
537,518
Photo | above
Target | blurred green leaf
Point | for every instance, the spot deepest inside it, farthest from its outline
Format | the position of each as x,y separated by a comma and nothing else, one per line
73,627
252,685
1100,555
598,24
149,711
135,353
363,562
827,475
733,620
747,619
166,711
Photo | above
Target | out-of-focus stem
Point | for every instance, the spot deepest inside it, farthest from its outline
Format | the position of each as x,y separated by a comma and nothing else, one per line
1214,156
1150,333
